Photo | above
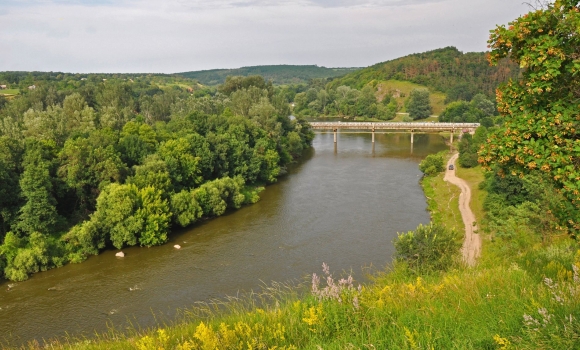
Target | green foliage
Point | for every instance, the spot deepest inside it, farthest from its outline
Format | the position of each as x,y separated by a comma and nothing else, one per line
432,164
185,208
428,248
523,207
539,113
127,215
281,74
419,105
469,146
94,161
38,214
460,75
468,112
181,164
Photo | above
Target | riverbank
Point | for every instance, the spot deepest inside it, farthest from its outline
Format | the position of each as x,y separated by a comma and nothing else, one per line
502,302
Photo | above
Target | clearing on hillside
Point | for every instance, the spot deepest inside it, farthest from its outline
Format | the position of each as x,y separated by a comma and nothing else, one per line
403,90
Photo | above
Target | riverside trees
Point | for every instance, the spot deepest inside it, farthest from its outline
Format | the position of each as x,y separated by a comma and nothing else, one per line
541,130
87,164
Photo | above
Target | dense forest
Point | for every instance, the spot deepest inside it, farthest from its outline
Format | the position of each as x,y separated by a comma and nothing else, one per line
277,74
459,75
95,161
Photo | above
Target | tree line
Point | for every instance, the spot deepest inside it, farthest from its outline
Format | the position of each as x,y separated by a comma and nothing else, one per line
87,164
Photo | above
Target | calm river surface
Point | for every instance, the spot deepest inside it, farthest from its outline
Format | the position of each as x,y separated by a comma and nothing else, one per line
341,207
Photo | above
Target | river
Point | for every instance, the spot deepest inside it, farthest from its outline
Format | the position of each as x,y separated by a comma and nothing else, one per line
340,206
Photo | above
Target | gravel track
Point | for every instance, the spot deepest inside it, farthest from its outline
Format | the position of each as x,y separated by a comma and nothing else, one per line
471,249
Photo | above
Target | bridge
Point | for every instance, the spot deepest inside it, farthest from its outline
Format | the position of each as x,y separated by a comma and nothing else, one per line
410,127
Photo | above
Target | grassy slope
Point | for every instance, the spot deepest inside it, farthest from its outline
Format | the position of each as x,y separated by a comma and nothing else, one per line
10,92
405,87
465,308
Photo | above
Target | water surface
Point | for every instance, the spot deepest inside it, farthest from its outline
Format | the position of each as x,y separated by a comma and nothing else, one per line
341,206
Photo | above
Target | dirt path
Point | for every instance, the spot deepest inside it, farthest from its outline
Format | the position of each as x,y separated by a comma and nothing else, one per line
472,244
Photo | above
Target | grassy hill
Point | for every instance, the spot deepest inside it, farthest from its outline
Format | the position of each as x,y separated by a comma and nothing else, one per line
403,89
448,70
278,74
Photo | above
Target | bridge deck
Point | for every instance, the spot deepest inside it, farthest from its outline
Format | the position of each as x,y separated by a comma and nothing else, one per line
394,126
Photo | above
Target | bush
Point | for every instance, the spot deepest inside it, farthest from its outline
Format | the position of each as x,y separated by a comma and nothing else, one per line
432,164
428,248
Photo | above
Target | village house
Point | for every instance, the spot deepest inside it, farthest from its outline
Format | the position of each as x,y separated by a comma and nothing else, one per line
32,87
3,87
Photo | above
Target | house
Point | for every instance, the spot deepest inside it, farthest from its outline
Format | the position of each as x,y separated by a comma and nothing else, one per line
32,87
3,87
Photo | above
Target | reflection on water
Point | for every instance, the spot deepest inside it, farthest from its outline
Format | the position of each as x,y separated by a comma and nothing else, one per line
342,205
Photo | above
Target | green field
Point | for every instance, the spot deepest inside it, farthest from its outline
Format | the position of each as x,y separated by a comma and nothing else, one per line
10,92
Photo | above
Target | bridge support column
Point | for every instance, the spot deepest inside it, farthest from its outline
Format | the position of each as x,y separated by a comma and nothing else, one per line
373,136
412,137
452,131
335,132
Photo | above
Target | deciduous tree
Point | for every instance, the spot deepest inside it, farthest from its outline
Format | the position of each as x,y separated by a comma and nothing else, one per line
540,112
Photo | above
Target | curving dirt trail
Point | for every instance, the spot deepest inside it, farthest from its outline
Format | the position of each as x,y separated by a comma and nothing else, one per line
472,244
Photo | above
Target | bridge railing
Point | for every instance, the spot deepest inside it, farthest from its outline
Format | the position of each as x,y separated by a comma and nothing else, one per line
393,126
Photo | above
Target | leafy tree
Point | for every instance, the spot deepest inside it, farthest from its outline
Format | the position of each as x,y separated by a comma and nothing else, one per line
128,215
88,165
10,165
185,208
469,146
432,164
540,131
481,103
78,115
181,162
39,213
153,172
419,106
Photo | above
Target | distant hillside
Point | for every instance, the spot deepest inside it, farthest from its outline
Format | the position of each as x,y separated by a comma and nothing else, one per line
459,75
278,74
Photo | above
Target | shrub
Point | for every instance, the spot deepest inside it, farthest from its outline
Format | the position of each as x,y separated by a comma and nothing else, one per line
431,247
432,164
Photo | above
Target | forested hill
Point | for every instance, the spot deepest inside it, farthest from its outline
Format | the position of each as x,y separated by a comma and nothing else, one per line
278,74
459,75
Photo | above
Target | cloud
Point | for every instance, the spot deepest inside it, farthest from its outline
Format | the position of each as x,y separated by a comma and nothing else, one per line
175,35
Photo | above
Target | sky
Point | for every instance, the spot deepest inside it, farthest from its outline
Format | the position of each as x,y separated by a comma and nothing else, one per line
169,36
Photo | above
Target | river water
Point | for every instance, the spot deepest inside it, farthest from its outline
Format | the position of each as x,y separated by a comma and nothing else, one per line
341,206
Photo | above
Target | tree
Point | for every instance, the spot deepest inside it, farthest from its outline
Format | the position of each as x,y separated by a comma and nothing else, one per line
38,214
419,106
432,164
10,164
129,215
541,122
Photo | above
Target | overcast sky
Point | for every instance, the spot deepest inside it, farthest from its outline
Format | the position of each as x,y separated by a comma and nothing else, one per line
167,36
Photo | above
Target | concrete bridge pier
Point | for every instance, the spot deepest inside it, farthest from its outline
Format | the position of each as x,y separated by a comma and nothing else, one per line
412,137
335,132
452,131
373,137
